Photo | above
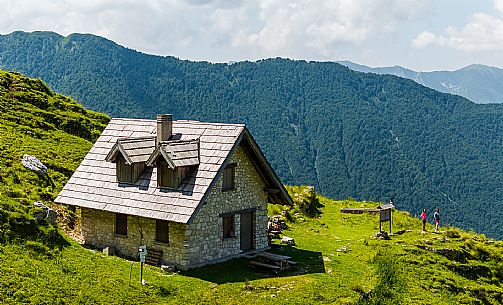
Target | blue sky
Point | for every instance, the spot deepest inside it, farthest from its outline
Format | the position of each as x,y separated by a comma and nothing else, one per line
422,35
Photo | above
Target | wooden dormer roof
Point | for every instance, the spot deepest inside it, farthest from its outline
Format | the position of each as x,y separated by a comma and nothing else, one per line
134,150
94,185
176,153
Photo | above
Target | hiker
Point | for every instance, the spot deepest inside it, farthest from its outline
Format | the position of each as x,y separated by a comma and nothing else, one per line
423,218
436,216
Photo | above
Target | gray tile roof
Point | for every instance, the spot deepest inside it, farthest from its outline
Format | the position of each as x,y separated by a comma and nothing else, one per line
93,185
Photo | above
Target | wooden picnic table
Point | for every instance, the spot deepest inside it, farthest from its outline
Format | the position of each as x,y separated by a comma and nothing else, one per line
273,256
283,260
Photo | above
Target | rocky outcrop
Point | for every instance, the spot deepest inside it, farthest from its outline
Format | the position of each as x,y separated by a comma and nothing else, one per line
46,213
34,164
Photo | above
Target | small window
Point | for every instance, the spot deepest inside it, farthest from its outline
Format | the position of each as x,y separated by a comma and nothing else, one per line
161,231
229,176
165,175
121,224
124,171
229,226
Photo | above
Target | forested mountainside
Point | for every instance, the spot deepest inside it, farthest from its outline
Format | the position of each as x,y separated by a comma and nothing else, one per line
350,134
478,83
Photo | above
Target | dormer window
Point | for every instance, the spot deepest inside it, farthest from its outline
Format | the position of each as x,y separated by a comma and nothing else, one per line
173,160
129,155
165,175
124,171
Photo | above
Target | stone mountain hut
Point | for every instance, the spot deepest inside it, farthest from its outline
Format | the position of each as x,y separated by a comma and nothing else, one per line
194,192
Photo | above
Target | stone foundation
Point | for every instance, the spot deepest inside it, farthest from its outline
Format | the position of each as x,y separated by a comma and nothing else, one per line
98,229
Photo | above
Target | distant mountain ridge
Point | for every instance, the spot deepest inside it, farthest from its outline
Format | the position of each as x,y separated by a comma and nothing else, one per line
349,134
479,83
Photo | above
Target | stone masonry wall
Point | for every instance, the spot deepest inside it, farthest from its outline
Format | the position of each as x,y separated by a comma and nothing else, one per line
98,229
205,235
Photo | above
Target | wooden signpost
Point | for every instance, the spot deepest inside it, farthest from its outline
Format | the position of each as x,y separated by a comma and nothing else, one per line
385,215
143,254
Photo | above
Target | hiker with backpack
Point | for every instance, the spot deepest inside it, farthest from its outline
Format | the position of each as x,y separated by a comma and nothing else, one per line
436,216
423,218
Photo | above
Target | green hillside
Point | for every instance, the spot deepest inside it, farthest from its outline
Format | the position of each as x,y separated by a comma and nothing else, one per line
55,129
338,257
349,134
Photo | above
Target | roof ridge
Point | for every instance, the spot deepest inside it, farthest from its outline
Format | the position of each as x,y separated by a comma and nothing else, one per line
180,141
181,121
137,138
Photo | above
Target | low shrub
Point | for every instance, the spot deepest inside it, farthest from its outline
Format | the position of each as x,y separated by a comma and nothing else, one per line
452,233
390,281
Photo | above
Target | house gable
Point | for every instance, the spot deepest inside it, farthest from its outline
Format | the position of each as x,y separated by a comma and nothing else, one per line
207,240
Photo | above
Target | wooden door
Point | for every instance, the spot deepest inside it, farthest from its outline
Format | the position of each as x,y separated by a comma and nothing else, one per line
246,234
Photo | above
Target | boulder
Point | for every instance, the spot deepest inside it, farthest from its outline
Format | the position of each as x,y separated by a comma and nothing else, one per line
40,215
51,216
288,241
382,235
109,251
41,205
47,213
168,268
34,164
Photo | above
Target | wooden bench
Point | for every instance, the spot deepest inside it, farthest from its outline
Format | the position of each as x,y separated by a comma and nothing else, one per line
264,265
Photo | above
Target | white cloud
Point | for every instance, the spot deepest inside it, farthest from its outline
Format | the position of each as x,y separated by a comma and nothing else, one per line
298,27
483,32
197,28
424,39
498,5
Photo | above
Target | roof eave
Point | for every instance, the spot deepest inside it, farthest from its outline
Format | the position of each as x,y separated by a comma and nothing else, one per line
112,155
270,171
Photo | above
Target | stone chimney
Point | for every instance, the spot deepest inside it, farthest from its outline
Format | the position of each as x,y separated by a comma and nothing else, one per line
164,127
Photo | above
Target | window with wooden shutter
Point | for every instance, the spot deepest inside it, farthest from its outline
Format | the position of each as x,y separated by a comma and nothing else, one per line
228,226
229,176
161,231
165,175
121,224
124,171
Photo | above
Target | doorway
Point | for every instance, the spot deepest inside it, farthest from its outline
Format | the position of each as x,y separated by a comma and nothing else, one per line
246,230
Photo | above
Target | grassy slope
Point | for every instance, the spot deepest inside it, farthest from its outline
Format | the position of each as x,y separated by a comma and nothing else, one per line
38,266
52,127
324,275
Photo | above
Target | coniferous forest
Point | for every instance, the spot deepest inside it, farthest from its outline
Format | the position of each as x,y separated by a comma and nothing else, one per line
349,134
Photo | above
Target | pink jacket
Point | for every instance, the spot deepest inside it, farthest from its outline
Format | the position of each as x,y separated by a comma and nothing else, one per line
423,216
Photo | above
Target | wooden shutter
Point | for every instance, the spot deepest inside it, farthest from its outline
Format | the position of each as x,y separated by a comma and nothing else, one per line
228,226
165,175
124,171
121,224
162,231
228,180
